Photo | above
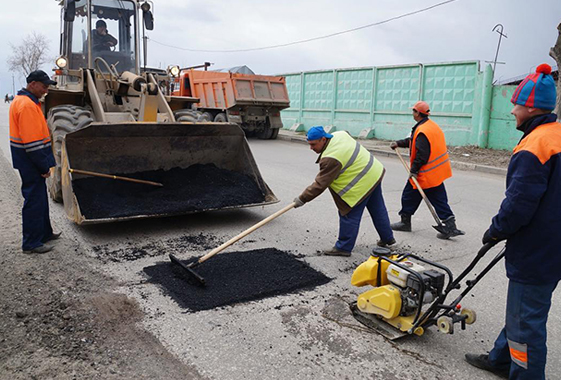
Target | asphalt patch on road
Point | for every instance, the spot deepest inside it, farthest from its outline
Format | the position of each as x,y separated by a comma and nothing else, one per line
196,188
236,277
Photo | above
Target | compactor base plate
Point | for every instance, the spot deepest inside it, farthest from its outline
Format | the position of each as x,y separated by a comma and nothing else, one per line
377,324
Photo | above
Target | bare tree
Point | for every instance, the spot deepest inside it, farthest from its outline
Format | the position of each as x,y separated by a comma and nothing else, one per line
555,53
29,55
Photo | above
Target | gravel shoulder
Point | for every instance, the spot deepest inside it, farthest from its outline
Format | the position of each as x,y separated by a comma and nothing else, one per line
61,318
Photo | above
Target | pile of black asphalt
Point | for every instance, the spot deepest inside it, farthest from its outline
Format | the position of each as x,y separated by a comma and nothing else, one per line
196,188
234,277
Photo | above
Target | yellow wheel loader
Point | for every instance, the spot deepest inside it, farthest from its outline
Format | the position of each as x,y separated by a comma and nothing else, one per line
108,115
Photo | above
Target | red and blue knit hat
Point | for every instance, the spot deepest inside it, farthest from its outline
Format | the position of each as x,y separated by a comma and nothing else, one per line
537,90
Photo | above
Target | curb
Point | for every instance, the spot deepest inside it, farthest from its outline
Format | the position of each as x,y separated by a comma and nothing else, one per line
466,166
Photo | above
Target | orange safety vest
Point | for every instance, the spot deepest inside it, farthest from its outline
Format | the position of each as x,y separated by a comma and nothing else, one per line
437,168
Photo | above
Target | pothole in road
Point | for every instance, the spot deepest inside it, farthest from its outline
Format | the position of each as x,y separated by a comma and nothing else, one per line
133,251
236,277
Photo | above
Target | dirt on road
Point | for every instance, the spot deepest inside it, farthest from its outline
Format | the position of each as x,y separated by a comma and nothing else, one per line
60,318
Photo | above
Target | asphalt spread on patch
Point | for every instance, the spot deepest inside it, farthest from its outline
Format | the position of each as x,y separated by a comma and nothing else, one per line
234,277
196,188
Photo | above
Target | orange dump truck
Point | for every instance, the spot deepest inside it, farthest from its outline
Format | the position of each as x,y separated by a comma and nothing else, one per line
252,101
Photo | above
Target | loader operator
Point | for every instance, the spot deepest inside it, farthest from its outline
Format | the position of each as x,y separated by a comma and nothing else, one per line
528,219
102,40
430,165
354,178
32,156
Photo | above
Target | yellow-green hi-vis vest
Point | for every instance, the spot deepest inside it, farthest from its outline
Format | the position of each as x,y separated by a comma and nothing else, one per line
359,172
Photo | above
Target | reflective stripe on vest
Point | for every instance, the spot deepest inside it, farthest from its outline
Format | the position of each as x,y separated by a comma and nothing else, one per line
438,168
360,170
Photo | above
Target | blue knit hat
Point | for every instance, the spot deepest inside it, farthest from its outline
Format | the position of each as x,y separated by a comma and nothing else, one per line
537,90
316,133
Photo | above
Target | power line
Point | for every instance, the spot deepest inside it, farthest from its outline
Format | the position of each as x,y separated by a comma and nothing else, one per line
309,39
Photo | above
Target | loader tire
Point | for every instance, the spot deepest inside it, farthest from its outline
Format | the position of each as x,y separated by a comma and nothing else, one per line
221,118
62,120
189,115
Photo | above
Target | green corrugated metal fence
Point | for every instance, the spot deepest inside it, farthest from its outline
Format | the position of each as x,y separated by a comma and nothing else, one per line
376,101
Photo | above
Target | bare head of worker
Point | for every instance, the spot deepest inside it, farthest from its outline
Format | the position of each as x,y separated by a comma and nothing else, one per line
534,96
38,83
317,138
421,110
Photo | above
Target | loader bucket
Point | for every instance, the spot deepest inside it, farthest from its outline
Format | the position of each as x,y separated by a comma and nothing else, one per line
215,155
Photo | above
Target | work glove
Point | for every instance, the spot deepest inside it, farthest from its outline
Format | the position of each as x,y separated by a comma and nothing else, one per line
393,145
413,175
298,202
488,238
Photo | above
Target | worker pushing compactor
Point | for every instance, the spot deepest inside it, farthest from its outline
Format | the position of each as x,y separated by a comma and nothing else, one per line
354,178
430,166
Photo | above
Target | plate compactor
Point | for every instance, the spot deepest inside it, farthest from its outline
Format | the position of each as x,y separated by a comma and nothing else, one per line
410,293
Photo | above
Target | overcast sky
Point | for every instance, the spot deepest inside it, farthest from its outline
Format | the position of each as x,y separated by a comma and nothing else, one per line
457,31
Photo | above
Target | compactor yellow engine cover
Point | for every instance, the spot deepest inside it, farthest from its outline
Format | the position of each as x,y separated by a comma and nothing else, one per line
367,272
384,301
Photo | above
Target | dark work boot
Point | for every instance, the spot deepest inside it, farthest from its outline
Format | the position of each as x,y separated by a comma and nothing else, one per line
451,230
404,225
482,362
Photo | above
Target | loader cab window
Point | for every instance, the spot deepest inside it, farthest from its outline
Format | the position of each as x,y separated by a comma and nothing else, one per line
113,34
75,36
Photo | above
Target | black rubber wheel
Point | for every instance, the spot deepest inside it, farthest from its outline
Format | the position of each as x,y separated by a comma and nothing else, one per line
189,115
275,133
221,118
206,116
266,132
62,120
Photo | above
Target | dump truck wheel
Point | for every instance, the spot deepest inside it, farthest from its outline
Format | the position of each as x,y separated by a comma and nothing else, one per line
188,115
206,116
265,133
275,133
62,120
221,118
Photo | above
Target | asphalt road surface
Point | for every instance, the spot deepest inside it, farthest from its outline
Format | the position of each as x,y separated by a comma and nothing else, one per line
309,334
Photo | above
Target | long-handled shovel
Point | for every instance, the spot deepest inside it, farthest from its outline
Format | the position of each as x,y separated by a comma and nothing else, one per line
440,227
189,267
116,177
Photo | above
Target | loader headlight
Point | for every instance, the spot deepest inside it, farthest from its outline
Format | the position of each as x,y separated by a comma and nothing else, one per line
174,71
61,62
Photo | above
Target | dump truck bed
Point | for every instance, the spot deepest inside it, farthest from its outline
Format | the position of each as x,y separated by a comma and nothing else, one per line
176,152
220,90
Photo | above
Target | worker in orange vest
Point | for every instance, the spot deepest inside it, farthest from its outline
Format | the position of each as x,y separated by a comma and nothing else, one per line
430,165
32,156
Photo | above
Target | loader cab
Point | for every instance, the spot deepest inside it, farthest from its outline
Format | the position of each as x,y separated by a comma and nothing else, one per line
80,37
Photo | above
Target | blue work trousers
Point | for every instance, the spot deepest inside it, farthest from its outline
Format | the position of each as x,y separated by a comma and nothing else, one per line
349,224
35,214
521,345
411,199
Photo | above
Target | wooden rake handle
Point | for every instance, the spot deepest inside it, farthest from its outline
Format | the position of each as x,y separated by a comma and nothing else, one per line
245,233
94,174
429,205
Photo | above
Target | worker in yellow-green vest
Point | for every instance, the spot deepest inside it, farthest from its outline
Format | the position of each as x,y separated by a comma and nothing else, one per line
354,178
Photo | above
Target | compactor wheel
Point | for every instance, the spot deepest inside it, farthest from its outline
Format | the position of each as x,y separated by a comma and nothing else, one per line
471,316
62,120
191,116
445,325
